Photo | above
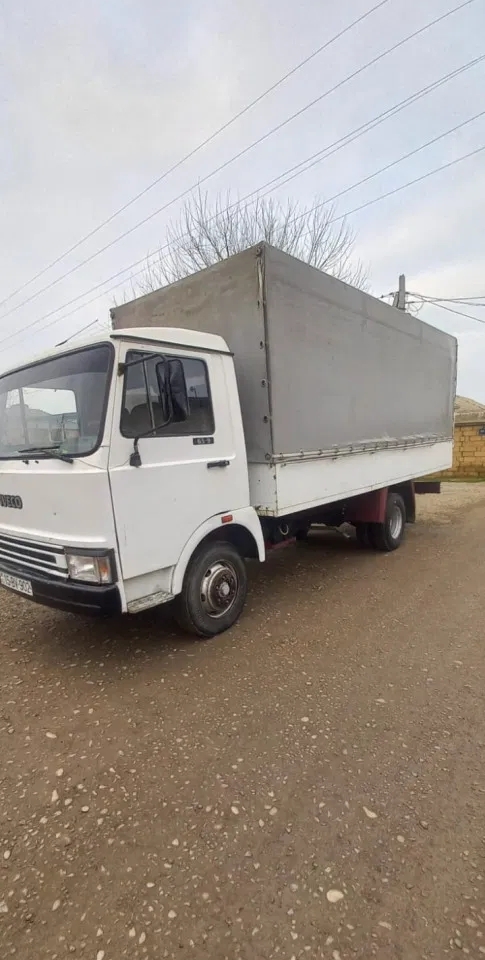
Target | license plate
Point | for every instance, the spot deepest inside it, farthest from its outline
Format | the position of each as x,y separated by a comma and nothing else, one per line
16,583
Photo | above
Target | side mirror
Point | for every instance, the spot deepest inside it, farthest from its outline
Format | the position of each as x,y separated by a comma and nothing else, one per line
172,386
163,376
178,391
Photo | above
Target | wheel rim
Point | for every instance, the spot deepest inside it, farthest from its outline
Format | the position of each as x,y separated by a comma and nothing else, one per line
219,589
396,522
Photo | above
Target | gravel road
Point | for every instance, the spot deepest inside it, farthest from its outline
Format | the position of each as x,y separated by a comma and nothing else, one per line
309,785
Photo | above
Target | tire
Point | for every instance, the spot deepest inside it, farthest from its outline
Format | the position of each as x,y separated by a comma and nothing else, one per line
362,534
214,590
389,535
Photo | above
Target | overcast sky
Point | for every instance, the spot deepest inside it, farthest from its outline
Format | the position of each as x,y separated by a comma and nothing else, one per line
97,100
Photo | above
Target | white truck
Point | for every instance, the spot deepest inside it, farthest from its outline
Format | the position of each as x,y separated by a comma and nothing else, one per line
222,416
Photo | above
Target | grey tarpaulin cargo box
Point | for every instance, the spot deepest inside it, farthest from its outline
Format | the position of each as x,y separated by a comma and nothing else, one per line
321,366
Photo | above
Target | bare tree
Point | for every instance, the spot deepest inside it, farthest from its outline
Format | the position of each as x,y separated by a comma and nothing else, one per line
207,232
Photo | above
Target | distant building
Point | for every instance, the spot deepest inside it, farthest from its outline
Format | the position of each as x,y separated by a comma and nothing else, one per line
469,441
467,410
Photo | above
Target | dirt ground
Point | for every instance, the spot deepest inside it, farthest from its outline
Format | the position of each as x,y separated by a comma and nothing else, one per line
309,785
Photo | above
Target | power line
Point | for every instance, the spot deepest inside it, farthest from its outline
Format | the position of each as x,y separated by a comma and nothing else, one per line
76,334
394,163
437,302
478,296
199,147
343,216
463,300
371,124
459,313
410,183
327,201
317,157
240,154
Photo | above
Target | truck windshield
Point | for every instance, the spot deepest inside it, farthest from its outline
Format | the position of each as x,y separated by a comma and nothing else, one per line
55,407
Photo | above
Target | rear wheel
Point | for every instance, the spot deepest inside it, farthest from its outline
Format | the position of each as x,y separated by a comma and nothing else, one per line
214,590
388,536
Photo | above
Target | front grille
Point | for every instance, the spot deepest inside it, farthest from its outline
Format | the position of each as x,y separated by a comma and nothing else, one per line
32,557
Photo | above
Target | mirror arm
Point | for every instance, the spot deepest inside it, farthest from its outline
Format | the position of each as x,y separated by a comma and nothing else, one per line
135,458
123,366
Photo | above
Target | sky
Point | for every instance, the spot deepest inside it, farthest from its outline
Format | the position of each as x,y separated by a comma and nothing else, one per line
99,100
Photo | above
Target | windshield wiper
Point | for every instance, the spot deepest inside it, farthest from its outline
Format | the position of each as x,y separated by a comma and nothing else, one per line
53,451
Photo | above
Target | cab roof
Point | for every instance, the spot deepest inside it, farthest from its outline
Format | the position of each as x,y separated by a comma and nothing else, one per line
174,336
159,336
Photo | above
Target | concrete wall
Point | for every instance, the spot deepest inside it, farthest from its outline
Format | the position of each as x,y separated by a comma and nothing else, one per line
468,452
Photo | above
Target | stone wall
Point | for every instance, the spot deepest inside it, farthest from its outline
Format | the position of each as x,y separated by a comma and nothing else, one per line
468,452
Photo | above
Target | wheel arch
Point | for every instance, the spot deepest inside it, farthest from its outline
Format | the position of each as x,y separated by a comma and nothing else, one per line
243,532
371,507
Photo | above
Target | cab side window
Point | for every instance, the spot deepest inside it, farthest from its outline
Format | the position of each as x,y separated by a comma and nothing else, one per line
142,409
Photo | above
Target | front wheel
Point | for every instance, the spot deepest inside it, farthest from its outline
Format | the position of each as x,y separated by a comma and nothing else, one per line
389,535
214,590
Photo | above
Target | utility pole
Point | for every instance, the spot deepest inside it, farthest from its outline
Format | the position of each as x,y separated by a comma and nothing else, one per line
399,300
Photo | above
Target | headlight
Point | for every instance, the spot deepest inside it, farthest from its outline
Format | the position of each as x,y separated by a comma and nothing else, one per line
89,569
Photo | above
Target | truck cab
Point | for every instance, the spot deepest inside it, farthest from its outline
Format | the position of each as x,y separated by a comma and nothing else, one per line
122,465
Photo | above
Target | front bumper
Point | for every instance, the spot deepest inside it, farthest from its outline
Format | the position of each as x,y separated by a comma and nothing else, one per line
102,600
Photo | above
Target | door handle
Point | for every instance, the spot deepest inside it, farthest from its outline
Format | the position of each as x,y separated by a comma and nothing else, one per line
217,463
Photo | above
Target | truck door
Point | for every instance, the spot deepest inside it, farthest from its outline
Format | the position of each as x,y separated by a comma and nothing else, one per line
187,473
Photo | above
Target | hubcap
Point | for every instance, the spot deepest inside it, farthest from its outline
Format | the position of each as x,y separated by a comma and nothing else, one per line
218,590
395,523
